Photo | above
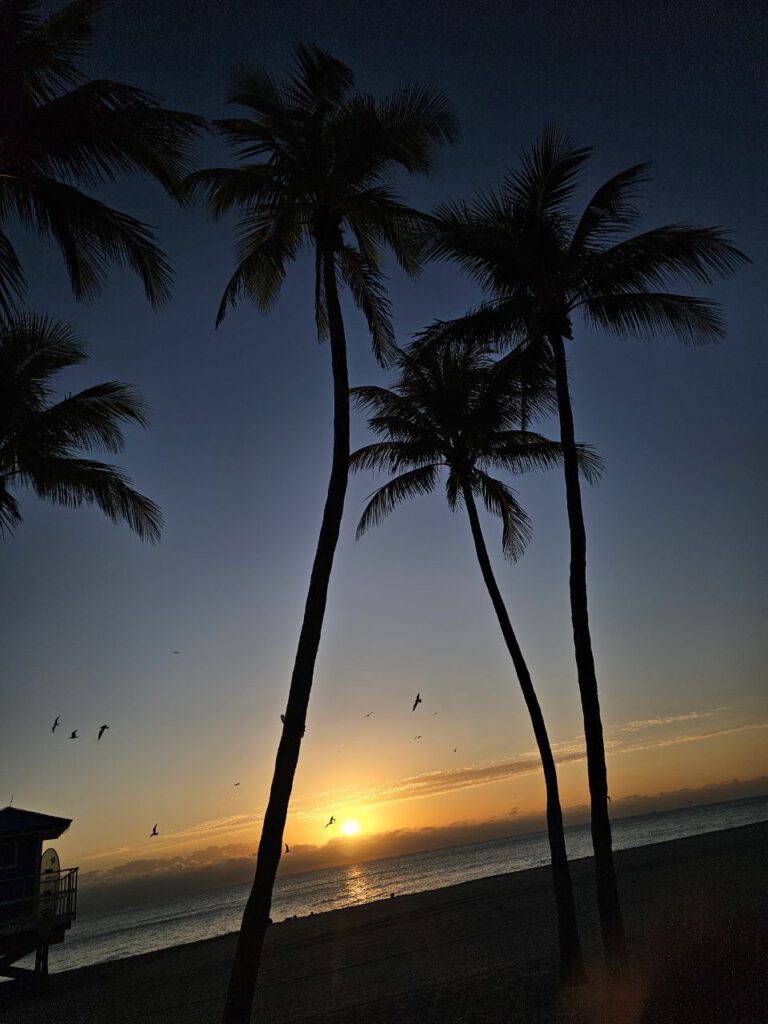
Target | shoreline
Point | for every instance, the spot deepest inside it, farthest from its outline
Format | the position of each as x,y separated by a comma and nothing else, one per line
416,956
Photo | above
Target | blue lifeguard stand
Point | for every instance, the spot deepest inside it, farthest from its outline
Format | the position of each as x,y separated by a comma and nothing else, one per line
38,898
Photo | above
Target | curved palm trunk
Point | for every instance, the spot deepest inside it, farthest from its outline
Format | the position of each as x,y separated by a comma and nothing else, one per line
611,924
571,961
245,967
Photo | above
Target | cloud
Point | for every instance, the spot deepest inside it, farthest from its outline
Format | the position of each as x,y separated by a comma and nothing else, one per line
149,879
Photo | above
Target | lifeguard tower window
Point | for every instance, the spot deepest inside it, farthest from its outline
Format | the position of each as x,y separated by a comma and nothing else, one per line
9,855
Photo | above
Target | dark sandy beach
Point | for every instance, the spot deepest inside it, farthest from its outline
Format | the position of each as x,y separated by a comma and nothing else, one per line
478,952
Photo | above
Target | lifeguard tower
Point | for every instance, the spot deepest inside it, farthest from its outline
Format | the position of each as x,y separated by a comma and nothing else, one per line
38,898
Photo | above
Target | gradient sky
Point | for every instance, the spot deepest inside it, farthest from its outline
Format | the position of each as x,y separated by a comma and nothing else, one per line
239,450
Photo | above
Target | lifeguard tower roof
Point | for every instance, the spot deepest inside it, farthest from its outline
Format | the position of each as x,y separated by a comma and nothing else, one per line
15,821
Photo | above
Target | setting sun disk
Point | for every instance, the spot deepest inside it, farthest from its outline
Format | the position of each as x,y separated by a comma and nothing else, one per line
350,827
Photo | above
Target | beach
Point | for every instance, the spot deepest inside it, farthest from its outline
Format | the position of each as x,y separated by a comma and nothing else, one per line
479,951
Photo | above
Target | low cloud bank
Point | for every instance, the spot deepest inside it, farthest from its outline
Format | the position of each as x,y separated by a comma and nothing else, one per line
148,880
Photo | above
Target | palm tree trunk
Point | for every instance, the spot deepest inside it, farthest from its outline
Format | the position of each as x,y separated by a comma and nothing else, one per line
245,967
609,908
571,961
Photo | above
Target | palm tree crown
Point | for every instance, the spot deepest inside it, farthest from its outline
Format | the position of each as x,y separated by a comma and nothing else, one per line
454,409
60,132
538,263
42,441
316,165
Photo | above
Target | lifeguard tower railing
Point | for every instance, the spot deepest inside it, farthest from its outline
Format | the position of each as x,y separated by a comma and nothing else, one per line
35,899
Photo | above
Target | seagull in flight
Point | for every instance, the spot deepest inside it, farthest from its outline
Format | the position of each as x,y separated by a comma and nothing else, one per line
154,831
74,734
287,848
417,702
237,783
175,652
332,821
417,737
368,715
55,724
102,730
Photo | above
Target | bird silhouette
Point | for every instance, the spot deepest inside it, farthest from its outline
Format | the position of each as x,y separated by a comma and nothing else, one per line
55,725
175,652
73,736
455,750
368,715
331,822
102,730
237,783
417,702
154,831
287,848
417,737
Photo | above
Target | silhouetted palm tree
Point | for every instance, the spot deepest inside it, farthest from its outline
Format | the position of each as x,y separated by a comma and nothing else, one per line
59,133
42,441
453,409
539,264
315,175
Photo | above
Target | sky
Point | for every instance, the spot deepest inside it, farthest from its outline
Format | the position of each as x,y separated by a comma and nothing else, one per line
239,450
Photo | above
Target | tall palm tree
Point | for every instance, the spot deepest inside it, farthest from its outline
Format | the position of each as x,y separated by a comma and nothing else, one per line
539,264
42,441
315,175
454,409
61,132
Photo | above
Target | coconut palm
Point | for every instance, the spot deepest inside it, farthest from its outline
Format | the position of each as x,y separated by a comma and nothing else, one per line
61,132
315,175
42,441
539,265
455,410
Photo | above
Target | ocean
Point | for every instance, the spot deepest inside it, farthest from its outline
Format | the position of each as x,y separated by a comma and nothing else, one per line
112,936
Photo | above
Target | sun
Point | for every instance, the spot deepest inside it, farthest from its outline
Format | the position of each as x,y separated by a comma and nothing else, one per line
350,827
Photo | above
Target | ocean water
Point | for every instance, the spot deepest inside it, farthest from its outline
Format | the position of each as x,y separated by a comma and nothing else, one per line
119,934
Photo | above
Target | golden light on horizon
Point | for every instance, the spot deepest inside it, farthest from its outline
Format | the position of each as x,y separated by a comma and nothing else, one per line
350,827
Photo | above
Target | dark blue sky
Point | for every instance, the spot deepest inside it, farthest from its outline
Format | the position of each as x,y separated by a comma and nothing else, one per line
239,449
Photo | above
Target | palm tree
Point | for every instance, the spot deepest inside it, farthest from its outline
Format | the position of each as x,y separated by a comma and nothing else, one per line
539,265
454,409
60,132
42,441
315,170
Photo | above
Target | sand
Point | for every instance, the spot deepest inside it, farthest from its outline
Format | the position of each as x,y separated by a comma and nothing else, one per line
478,952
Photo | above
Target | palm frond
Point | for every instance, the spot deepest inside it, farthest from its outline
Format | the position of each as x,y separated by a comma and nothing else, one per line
501,501
416,119
647,314
12,280
611,209
90,235
393,456
393,493
548,175
366,285
72,483
658,258
10,512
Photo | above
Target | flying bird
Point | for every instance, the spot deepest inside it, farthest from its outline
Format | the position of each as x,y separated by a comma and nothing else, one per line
455,750
331,822
154,831
287,848
102,730
237,783
417,702
417,737
368,715
175,652
55,725
74,734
